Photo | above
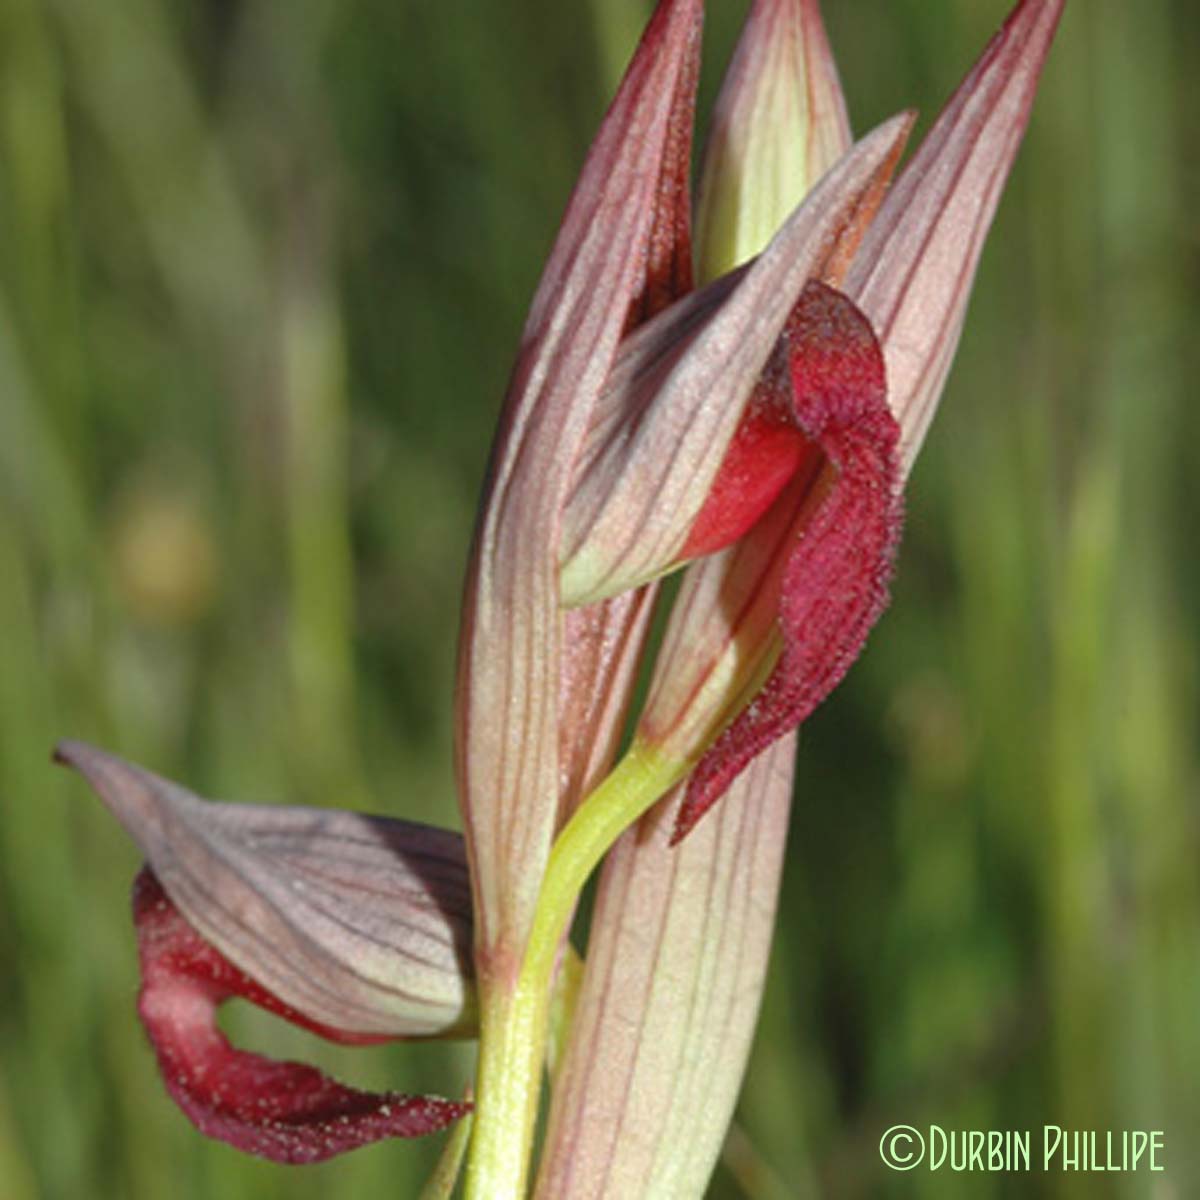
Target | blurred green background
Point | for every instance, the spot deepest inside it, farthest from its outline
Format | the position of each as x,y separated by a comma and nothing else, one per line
262,272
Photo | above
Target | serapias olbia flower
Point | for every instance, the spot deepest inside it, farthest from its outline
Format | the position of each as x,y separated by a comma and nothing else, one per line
747,412
355,928
699,914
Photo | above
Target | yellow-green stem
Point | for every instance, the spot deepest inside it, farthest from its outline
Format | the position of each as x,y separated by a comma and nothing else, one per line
514,1022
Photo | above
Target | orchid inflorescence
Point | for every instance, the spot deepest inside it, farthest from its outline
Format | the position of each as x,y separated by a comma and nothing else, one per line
744,410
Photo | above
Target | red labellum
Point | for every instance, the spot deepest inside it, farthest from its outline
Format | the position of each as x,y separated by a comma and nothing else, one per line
835,582
766,453
284,1111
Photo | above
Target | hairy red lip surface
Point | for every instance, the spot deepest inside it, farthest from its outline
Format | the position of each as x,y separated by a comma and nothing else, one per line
835,583
287,1112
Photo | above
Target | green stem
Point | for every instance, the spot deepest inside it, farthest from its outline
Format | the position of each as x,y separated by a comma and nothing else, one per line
515,1022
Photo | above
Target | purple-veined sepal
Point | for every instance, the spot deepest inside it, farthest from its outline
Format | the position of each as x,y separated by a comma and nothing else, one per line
620,251
914,271
357,922
779,123
644,1096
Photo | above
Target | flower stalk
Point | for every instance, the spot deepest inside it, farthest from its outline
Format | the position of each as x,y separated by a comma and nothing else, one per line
513,1043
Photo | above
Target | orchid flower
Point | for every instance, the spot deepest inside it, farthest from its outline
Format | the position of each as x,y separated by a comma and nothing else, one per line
746,412
355,928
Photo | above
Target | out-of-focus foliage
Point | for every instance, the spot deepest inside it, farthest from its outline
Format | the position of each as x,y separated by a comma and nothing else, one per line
262,271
